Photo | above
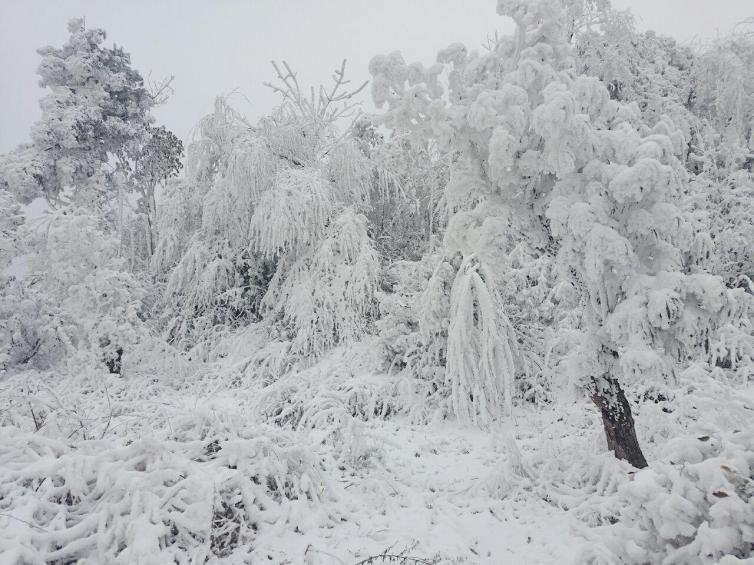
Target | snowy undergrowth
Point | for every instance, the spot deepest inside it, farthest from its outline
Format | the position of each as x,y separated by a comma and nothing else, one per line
694,504
83,400
348,382
327,464
195,496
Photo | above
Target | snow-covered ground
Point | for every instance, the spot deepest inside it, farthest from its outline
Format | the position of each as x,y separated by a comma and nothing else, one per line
182,475
420,489
425,493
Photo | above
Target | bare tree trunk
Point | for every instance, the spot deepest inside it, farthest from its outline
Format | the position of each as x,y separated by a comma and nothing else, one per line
608,396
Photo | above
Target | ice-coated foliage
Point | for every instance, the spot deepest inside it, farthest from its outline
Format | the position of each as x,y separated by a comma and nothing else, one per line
22,172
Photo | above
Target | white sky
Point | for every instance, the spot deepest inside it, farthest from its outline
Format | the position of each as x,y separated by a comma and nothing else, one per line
215,47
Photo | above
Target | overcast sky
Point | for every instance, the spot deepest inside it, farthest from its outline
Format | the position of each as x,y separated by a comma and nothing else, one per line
216,47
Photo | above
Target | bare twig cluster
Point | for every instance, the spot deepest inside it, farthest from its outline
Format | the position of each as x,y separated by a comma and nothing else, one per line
324,105
400,558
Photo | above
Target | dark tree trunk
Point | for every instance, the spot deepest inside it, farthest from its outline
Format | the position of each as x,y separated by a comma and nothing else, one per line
608,396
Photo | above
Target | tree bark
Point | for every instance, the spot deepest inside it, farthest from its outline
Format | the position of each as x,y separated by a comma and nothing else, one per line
617,420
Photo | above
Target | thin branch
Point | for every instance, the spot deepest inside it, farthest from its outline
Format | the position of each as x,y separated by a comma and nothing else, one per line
24,522
37,425
324,106
160,91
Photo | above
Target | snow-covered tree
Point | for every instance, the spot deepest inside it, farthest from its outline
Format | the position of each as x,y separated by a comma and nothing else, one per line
724,97
95,144
708,93
646,68
282,233
724,104
149,167
547,163
96,108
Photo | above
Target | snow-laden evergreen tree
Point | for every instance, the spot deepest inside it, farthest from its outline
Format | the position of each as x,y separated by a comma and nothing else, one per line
282,233
97,106
546,163
95,145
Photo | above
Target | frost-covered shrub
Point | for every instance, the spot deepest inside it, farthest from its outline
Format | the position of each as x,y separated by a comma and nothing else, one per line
693,508
415,317
329,402
413,329
691,505
77,298
344,384
81,398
